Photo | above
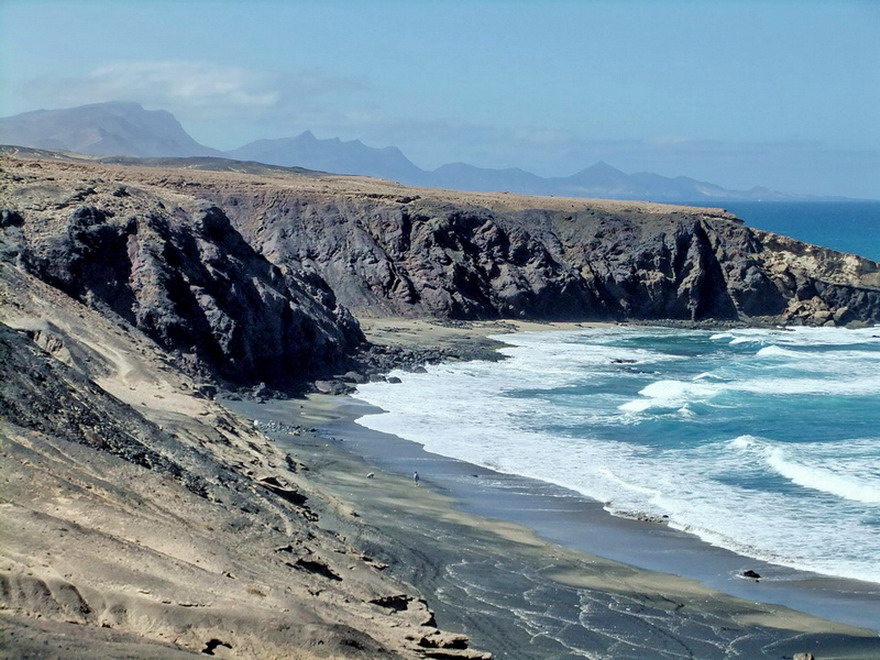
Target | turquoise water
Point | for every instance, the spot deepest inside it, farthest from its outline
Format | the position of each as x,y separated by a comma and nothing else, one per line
846,226
766,442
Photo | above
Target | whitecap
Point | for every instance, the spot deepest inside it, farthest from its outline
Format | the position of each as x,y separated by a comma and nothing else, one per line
825,480
673,389
686,412
742,442
670,394
637,405
776,351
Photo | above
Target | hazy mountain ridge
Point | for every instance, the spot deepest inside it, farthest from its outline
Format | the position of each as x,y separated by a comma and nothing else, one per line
600,181
330,155
126,129
99,129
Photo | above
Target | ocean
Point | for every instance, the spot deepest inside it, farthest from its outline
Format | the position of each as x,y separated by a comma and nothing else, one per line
765,442
846,226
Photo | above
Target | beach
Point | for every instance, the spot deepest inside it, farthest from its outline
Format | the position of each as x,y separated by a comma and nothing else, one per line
465,538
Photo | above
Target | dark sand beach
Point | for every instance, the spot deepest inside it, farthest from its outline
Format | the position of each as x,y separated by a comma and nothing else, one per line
466,539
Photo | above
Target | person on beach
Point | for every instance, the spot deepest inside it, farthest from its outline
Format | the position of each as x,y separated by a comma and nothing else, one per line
416,478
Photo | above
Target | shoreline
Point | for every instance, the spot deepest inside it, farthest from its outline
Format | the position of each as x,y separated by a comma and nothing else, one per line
593,595
555,514
727,565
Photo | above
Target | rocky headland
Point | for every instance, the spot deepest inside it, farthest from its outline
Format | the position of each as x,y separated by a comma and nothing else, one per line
460,256
142,519
254,277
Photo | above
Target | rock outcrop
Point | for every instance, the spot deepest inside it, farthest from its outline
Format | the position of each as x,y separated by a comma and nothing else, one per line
176,268
413,255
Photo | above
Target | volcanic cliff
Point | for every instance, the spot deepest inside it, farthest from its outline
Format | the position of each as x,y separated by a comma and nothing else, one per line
253,277
388,250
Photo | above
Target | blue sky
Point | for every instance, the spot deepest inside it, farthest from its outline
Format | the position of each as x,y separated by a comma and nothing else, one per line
778,93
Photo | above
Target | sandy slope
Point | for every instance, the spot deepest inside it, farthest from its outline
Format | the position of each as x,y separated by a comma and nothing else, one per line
93,541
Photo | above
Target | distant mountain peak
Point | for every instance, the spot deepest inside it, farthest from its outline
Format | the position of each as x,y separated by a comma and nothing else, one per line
601,167
330,155
114,128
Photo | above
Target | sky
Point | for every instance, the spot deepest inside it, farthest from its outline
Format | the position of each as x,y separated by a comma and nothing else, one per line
776,93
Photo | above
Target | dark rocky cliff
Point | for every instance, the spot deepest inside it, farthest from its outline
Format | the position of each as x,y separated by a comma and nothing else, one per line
177,270
249,277
400,255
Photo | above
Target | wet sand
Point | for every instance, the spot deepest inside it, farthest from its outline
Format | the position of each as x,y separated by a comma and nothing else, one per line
465,539
577,522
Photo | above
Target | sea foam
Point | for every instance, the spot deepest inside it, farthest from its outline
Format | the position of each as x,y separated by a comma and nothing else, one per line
746,451
827,469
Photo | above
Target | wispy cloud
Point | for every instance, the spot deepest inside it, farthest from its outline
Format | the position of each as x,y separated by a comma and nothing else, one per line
185,87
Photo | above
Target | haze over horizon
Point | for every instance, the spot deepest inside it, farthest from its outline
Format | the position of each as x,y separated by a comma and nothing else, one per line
744,94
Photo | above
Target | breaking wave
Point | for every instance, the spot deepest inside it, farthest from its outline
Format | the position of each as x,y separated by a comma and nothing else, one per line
745,447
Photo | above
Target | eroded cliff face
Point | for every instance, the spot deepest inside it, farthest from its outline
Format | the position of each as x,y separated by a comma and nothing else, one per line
706,265
411,255
250,277
174,267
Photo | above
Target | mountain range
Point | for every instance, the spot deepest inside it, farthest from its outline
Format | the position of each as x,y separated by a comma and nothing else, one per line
127,129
